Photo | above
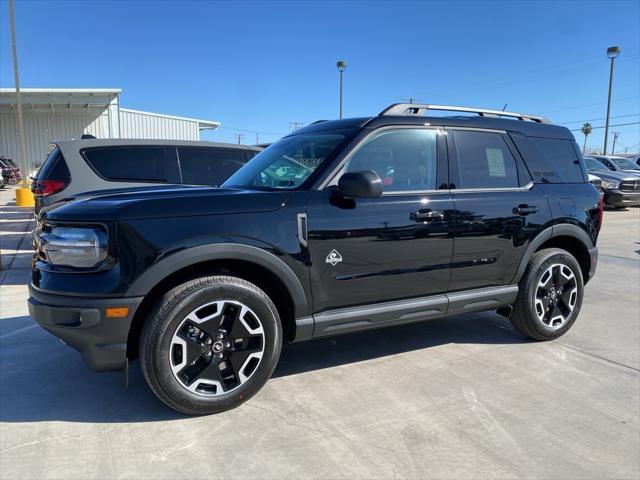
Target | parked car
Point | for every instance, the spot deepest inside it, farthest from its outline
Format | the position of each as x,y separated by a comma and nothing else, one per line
621,189
341,226
10,171
78,166
618,164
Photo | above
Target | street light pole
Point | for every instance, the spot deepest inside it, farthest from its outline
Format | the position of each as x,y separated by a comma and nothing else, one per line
612,53
342,65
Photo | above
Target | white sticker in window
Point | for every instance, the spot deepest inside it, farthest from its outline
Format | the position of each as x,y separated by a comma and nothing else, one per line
495,158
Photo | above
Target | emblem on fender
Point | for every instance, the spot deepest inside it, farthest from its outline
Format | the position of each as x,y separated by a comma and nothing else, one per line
334,257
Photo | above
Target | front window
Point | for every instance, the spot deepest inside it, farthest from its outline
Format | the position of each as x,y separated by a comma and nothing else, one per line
594,165
288,163
625,164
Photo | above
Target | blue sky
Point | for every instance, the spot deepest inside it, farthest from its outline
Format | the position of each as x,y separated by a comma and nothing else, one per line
260,65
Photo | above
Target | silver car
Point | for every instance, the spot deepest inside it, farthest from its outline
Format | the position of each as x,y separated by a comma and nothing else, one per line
78,166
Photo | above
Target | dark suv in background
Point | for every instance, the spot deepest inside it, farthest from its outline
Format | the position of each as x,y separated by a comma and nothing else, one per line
79,166
341,226
621,188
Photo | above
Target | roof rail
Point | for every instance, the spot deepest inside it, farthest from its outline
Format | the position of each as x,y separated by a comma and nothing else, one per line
421,108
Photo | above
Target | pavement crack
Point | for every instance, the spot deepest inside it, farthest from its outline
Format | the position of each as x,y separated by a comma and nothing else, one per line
60,437
598,357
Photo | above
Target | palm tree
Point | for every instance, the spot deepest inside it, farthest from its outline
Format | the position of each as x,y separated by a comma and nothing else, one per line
586,129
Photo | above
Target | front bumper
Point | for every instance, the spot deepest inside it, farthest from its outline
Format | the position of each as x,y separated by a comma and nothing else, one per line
81,323
616,198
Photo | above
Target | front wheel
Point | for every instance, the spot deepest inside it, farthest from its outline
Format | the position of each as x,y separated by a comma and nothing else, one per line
210,344
550,295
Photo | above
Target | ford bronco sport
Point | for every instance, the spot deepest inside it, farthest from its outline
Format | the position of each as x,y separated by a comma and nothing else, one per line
341,226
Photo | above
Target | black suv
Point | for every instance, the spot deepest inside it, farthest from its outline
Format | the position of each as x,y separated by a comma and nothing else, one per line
342,226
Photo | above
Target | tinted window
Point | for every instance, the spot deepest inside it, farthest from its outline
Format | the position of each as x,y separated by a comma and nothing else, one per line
485,161
208,166
54,167
405,159
142,164
595,165
625,164
288,163
560,154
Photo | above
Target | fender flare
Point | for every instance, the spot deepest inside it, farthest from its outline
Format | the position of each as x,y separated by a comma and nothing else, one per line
222,251
563,230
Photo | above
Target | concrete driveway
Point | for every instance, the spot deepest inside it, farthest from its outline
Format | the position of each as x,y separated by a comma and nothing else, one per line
466,397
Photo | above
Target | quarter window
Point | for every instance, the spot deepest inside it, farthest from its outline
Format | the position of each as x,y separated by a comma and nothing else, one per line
136,164
405,159
485,161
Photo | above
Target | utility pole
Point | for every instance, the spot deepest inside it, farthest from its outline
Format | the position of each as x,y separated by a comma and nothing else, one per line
612,53
295,125
257,138
22,161
410,99
615,139
239,137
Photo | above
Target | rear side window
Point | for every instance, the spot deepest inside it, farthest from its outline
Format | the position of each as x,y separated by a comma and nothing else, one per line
54,167
135,164
209,166
485,161
550,160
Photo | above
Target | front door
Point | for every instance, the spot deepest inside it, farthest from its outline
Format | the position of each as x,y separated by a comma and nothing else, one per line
393,247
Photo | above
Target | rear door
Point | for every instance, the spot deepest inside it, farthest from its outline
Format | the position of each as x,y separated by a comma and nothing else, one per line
498,208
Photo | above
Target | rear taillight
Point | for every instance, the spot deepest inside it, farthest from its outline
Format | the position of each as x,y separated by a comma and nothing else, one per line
44,188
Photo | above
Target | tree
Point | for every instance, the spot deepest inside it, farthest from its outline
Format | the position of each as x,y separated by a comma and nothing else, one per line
586,129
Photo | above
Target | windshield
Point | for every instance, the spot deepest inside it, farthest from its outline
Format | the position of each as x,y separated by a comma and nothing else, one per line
288,163
625,164
595,165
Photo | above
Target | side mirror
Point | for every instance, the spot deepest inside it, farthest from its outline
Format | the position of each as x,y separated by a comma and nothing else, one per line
360,184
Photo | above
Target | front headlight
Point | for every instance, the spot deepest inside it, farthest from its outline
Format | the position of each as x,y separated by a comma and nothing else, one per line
73,246
611,185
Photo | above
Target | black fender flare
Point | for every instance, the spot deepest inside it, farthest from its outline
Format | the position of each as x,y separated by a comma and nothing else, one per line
563,230
222,251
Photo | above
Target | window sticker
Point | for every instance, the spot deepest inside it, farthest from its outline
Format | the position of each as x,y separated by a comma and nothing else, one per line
495,158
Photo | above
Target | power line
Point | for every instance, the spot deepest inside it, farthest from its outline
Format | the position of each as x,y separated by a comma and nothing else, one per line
602,126
597,119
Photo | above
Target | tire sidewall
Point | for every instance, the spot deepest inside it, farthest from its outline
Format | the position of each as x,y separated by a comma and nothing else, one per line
564,258
172,317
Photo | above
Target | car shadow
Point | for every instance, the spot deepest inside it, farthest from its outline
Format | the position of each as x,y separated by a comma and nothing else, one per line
44,380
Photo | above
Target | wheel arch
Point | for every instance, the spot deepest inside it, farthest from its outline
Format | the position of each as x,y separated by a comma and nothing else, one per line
253,264
568,237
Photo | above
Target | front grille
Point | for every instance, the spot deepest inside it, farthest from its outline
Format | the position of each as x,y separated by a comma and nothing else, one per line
630,186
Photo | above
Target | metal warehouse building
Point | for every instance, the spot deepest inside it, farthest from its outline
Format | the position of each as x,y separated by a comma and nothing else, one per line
56,114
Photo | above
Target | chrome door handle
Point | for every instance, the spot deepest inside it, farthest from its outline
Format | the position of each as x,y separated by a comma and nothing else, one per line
426,215
525,209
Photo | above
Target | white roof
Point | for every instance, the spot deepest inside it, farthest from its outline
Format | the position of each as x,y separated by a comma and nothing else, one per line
56,97
202,123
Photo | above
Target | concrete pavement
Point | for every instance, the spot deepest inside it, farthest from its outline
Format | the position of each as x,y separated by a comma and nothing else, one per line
465,397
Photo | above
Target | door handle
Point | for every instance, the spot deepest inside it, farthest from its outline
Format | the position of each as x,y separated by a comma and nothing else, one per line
426,215
525,209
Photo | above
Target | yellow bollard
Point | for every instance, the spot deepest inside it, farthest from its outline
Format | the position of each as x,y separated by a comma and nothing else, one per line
24,198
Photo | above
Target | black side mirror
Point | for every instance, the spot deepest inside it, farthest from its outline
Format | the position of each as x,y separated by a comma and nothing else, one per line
360,184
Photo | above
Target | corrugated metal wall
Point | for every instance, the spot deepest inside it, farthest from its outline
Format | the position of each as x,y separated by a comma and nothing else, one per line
42,126
134,124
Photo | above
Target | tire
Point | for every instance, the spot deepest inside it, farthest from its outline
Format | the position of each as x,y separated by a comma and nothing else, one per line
546,308
210,344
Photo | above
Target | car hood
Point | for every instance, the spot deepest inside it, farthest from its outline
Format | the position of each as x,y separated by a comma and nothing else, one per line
165,202
613,176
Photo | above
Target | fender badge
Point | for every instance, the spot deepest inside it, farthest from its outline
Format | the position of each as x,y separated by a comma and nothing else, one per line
334,258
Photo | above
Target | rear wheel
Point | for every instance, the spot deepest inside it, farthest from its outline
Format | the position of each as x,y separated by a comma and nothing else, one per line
210,344
550,295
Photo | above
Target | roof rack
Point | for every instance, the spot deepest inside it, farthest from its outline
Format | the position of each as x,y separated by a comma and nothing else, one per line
421,108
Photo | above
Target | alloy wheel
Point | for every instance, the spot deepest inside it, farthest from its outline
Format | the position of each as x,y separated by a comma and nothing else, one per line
556,296
217,348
